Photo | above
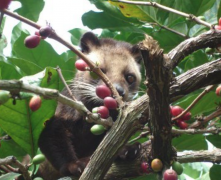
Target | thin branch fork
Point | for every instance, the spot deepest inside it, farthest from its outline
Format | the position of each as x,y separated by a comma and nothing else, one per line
12,160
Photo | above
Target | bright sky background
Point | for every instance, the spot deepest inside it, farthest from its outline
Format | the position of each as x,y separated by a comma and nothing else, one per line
62,15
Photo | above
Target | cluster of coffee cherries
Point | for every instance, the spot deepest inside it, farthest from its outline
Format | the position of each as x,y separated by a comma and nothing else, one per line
156,165
33,41
103,92
181,123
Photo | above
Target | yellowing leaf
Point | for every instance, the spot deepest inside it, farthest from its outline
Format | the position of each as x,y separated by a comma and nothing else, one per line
130,10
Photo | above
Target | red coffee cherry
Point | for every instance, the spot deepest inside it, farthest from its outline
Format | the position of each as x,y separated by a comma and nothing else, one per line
4,4
102,110
176,110
182,124
103,91
170,174
35,103
32,41
186,116
145,167
81,65
110,103
218,91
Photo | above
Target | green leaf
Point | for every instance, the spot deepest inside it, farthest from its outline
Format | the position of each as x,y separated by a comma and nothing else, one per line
106,21
30,9
9,176
76,35
8,71
215,172
23,125
190,142
10,148
195,170
215,140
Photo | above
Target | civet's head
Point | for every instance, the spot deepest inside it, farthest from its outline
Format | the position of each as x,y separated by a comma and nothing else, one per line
120,61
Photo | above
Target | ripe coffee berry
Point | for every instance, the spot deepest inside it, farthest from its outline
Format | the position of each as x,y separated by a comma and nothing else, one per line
156,165
144,167
32,41
170,174
182,124
176,110
186,116
218,91
35,103
81,65
110,103
4,4
102,110
103,91
45,31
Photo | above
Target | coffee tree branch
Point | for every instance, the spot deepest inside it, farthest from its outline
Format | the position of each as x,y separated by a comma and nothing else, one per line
13,161
17,86
156,5
210,38
158,80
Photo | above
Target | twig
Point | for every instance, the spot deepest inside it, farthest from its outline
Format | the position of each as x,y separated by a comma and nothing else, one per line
58,69
173,31
206,119
156,5
212,130
12,160
90,63
3,168
209,88
141,135
11,169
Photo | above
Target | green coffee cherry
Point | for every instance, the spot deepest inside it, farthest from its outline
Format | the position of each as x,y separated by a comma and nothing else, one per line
209,50
38,159
4,96
177,167
97,129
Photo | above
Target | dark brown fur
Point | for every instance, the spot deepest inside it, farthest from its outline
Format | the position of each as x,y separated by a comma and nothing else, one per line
66,139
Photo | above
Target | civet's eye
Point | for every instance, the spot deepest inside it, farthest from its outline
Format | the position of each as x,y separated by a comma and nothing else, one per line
130,78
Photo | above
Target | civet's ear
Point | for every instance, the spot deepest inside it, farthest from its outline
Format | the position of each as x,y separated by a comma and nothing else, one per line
135,51
89,40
